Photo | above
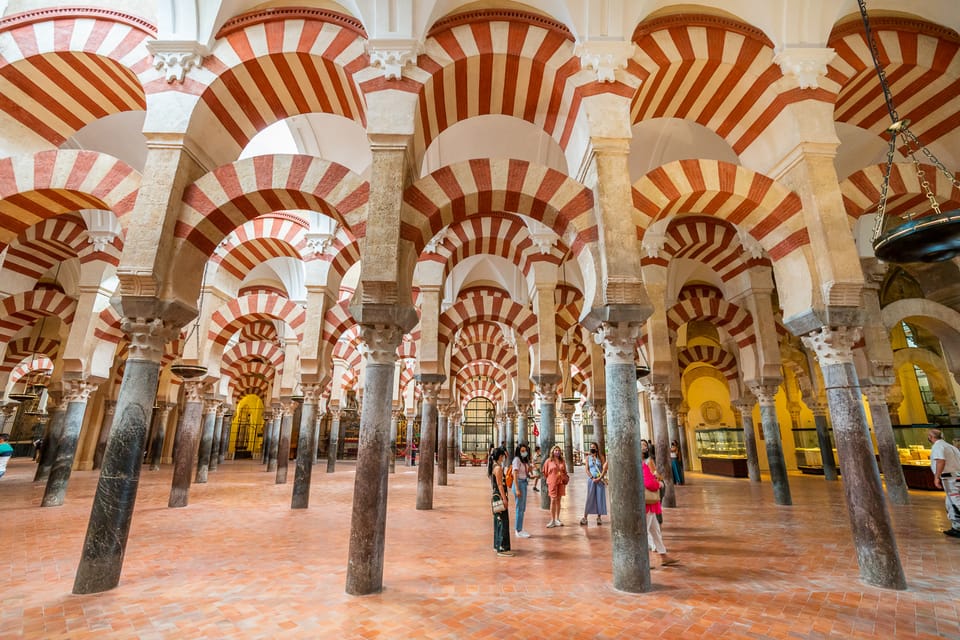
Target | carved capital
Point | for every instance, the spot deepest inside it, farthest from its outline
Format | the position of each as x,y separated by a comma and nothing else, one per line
833,345
876,395
765,393
335,413
744,406
318,242
430,391
77,391
380,342
547,392
174,58
148,336
101,238
619,341
604,57
221,410
392,56
806,64
312,393
210,406
818,408
658,392
193,391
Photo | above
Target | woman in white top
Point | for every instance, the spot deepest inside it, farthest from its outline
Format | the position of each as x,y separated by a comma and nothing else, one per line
521,475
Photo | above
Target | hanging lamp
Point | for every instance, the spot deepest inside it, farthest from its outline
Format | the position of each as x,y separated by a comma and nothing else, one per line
643,367
929,237
192,371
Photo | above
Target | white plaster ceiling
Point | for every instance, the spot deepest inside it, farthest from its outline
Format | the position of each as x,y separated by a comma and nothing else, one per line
661,140
119,135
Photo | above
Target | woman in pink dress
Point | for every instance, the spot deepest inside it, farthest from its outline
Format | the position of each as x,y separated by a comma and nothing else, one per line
555,473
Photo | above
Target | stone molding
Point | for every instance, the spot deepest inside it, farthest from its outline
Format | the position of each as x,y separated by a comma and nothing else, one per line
619,341
806,64
148,337
380,343
833,345
175,58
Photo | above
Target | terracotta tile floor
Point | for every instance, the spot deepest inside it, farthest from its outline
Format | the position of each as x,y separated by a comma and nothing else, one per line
238,563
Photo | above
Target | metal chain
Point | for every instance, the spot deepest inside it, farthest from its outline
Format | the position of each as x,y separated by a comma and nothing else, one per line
875,54
922,177
932,158
878,223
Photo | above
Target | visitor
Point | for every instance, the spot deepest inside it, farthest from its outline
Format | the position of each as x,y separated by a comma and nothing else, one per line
521,473
945,464
652,488
6,452
596,485
676,462
501,520
537,462
555,473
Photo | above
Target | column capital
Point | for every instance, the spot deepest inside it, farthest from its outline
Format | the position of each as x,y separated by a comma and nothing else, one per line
210,406
311,393
658,392
604,57
221,410
430,387
876,394
77,390
744,406
288,407
148,337
566,410
193,390
619,341
818,408
380,342
765,393
174,58
547,391
806,64
391,55
335,412
833,345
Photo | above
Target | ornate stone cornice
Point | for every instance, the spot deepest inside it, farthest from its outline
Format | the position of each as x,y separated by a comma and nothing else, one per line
49,14
174,58
148,337
101,238
619,341
806,64
238,23
833,345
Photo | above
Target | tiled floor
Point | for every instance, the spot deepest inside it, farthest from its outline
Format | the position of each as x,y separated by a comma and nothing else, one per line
238,563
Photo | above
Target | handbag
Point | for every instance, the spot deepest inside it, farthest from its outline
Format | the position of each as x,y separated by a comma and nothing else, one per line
498,506
650,497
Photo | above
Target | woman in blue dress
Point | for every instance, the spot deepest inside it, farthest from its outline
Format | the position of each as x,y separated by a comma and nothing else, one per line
596,502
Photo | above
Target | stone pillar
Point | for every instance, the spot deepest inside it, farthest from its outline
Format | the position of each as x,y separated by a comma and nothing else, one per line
306,446
453,457
163,417
745,407
108,408
223,451
283,450
819,410
661,438
673,425
210,408
408,457
274,439
217,436
547,388
394,419
335,413
887,445
185,443
566,419
369,518
631,560
442,426
430,385
316,435
682,413
522,431
599,408
54,433
509,421
765,394
267,429
101,560
869,518
75,395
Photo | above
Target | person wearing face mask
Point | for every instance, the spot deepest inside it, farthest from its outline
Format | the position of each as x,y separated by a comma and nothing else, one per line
596,464
555,473
521,475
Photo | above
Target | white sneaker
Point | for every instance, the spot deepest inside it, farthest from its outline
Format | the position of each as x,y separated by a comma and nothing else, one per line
551,524
523,534
559,524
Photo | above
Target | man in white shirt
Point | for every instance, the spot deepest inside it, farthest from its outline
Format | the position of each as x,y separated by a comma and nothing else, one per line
945,464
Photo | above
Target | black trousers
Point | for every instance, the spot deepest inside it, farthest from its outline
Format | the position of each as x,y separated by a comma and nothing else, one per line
501,530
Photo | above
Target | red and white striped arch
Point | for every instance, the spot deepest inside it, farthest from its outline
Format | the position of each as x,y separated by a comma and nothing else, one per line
706,304
498,234
922,64
408,345
249,384
458,191
274,64
337,321
765,209
20,352
861,191
241,368
259,240
482,369
716,357
23,309
569,304
476,388
234,194
481,332
344,252
259,330
254,350
490,308
26,368
231,317
349,350
711,242
63,68
714,71
45,244
500,354
108,326
49,183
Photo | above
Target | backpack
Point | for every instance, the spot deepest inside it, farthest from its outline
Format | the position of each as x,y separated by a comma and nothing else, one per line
508,477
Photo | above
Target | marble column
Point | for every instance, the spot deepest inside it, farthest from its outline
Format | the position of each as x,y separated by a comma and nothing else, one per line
163,417
316,435
267,429
599,408
430,384
75,395
661,438
566,419
819,410
453,459
57,413
408,456
887,445
286,429
215,442
673,424
185,443
873,535
682,429
106,422
509,421
306,446
394,419
101,560
223,451
547,389
442,425
523,434
630,556
335,413
745,407
274,452
210,408
765,394
369,517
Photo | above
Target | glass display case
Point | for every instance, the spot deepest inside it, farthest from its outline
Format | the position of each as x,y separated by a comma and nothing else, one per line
722,451
807,448
914,451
